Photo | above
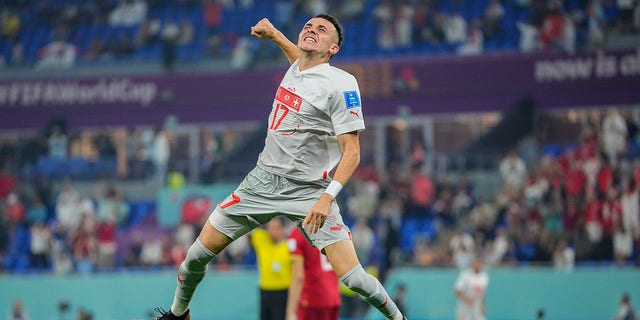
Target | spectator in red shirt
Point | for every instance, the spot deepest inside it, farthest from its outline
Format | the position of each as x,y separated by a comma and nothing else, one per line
106,235
15,209
591,165
611,211
571,215
575,179
593,217
636,172
366,172
422,193
605,178
551,170
213,19
84,247
564,160
552,30
7,182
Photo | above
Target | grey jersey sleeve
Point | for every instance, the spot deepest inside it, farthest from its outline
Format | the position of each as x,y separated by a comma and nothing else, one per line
345,108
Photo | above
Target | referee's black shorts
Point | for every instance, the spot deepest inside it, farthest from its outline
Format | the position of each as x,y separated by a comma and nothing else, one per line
273,304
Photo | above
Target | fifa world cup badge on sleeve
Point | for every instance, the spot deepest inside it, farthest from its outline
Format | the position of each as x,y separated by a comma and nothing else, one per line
351,99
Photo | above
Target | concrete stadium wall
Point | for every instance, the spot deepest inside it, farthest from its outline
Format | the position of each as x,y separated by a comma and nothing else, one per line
584,294
513,294
129,296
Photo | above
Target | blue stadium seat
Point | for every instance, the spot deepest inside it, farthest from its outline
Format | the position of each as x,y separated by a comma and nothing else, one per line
78,168
414,230
633,150
407,231
16,258
106,166
491,45
50,167
5,50
428,229
22,263
551,149
610,11
36,34
139,211
28,171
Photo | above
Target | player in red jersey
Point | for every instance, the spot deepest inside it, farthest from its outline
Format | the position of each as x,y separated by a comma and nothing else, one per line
314,291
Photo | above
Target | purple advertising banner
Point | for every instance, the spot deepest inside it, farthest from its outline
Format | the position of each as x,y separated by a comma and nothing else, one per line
491,82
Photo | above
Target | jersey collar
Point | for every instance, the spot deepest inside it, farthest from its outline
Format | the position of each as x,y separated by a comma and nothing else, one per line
318,68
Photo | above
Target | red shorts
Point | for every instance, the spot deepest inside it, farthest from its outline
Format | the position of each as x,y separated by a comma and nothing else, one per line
318,313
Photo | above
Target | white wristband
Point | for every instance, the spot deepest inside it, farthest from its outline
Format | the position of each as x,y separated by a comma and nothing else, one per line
334,188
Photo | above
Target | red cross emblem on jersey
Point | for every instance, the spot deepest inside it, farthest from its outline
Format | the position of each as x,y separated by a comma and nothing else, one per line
289,99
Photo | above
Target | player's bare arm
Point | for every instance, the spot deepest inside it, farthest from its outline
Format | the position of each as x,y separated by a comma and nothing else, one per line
264,29
350,146
295,288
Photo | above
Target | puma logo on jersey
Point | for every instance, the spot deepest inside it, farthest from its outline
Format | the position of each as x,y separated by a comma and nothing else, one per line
338,227
355,113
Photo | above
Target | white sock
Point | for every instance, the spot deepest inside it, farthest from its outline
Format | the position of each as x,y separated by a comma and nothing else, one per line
192,270
372,291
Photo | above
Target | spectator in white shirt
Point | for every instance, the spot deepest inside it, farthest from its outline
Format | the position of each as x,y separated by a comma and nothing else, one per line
614,135
128,13
513,171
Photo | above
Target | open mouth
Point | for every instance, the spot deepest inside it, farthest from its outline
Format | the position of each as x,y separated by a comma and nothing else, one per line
309,40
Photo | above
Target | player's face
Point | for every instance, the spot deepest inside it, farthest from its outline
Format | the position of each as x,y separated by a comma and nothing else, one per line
319,35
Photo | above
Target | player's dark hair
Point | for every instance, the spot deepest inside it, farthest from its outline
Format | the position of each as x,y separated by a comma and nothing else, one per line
335,23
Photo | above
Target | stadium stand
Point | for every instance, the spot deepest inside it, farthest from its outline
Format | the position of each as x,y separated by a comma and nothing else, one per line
97,34
527,223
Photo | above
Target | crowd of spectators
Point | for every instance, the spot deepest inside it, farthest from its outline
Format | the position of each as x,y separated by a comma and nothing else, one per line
135,153
62,34
58,35
576,204
48,222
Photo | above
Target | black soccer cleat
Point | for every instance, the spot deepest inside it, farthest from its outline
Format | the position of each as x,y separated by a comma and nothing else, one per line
167,315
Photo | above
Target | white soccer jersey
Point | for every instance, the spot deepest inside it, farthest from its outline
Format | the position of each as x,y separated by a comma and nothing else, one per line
473,285
310,109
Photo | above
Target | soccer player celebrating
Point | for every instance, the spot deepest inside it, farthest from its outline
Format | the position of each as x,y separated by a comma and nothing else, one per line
313,130
314,293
